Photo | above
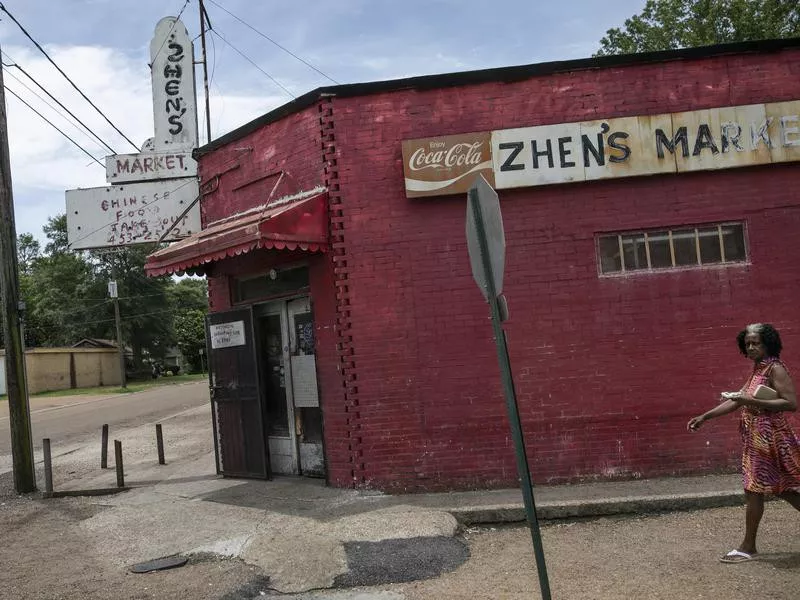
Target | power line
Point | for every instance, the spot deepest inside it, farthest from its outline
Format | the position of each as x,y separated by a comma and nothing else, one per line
101,301
22,83
52,62
69,112
46,329
269,39
86,152
211,85
248,59
213,60
83,308
45,102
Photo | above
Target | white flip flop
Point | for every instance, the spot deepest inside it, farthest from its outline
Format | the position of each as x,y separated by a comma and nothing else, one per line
737,556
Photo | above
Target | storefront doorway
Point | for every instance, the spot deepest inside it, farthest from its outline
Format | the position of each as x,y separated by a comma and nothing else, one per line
265,399
291,401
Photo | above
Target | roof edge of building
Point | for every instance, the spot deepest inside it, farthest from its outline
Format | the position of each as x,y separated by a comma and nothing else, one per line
498,74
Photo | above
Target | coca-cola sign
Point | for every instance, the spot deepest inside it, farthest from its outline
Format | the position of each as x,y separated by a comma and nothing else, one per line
446,165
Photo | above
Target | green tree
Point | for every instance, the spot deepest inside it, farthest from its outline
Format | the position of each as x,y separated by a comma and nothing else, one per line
147,317
189,299
28,251
66,294
188,294
61,299
190,331
55,288
56,231
673,24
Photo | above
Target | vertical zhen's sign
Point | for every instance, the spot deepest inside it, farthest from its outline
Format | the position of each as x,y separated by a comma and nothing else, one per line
174,98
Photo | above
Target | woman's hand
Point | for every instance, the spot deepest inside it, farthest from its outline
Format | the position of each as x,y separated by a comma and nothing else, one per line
695,423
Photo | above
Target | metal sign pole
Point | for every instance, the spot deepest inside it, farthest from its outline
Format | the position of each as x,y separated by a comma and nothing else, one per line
510,395
112,291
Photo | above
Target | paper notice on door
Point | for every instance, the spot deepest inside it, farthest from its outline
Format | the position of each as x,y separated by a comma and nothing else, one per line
304,381
227,335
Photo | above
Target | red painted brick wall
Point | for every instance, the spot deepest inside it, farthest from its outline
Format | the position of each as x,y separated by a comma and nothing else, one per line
280,159
244,173
608,370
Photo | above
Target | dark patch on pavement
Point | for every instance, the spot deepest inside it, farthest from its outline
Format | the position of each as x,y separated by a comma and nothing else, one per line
300,497
251,589
160,564
397,561
80,512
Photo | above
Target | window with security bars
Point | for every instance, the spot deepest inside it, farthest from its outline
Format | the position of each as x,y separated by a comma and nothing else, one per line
706,245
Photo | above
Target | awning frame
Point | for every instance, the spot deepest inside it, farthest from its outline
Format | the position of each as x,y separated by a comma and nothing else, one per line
298,222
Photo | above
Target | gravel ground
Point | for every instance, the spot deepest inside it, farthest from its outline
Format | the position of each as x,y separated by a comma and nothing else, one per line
45,556
656,557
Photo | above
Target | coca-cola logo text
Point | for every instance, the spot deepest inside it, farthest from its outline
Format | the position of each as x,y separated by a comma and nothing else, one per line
438,156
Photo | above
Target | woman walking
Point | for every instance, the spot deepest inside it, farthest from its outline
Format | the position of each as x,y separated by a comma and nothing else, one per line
770,448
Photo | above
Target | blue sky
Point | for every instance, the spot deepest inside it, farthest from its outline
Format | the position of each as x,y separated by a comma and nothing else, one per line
103,45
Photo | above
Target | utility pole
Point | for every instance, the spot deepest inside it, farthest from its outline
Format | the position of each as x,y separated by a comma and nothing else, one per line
203,20
18,408
112,291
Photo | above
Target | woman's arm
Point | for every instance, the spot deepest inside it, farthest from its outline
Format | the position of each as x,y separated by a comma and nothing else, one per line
724,408
787,396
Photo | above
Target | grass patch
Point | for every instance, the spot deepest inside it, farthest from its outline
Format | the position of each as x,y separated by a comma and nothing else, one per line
134,386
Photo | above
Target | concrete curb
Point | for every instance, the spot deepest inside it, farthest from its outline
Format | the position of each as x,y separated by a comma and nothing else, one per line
80,493
486,515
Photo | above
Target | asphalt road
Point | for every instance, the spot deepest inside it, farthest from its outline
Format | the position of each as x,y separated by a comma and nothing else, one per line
65,419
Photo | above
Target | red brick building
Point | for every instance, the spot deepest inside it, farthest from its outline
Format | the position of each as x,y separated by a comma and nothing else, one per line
632,262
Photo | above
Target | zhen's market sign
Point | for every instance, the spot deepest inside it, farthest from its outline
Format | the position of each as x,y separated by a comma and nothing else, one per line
159,198
718,138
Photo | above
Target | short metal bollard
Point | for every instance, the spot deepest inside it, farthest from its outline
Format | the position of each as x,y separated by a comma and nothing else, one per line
104,448
118,460
48,466
160,444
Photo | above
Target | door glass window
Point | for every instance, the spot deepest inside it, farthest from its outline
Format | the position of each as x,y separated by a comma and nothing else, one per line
311,423
274,376
304,332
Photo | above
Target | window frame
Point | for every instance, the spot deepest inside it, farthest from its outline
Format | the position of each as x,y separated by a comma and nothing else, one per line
649,269
235,280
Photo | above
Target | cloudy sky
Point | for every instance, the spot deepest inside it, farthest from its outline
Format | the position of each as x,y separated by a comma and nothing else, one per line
103,45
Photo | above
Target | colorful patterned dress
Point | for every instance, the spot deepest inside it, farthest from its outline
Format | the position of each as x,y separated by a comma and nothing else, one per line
771,450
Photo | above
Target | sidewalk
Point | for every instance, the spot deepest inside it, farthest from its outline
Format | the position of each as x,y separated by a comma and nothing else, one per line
310,497
304,534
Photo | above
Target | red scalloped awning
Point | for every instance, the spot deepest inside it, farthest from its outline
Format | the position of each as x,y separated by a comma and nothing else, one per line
299,224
